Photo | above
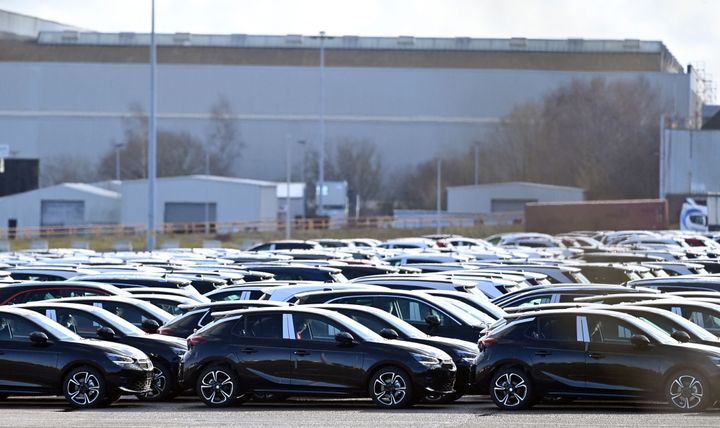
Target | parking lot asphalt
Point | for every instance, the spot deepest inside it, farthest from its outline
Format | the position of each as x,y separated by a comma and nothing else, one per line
471,411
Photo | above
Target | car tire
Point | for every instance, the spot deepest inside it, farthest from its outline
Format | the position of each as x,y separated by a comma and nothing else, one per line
688,391
443,398
84,388
164,385
511,389
217,386
391,388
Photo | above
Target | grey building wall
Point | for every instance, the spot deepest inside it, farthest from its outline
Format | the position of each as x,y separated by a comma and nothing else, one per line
411,114
479,199
236,200
689,161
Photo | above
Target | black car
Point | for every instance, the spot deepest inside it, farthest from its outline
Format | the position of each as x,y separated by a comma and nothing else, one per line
23,292
90,322
137,312
197,316
308,351
593,354
462,352
669,322
540,295
427,313
706,315
300,272
139,279
40,357
680,283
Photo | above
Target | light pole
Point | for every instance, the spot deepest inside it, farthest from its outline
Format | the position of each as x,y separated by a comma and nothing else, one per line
207,193
118,146
477,162
438,196
321,166
303,143
152,136
288,223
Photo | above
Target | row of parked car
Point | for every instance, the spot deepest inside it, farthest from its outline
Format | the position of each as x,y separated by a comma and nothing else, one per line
518,317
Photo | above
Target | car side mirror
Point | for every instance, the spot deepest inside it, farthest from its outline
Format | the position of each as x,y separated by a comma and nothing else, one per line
681,336
344,338
389,333
640,341
432,320
150,326
39,338
105,333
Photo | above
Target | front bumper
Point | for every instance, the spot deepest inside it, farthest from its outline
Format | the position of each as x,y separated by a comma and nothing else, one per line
438,380
131,381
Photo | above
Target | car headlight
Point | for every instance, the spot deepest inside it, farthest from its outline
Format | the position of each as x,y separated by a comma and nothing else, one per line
715,360
467,357
426,360
122,360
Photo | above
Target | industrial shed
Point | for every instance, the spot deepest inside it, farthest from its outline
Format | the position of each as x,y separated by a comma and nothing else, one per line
67,204
201,198
508,197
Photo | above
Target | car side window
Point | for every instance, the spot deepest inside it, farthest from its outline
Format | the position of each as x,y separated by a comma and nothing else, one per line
126,312
77,322
533,300
610,330
553,329
362,301
368,321
315,328
15,329
260,326
414,311
704,319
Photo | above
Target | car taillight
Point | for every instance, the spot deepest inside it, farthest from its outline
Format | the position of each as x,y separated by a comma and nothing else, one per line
194,340
485,343
167,331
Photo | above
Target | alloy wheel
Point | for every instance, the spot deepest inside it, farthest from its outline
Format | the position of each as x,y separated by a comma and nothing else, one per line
390,388
83,388
159,383
217,387
510,389
686,392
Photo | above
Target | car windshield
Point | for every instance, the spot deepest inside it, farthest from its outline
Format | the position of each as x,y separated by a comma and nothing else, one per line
684,325
654,332
358,329
61,333
119,324
155,311
465,312
405,329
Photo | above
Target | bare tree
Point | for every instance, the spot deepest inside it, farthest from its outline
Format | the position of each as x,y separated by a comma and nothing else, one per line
224,142
66,168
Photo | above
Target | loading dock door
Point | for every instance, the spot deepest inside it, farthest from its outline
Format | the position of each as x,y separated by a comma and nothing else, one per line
62,213
189,212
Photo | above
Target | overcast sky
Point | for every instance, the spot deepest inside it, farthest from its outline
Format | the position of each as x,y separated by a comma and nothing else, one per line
690,28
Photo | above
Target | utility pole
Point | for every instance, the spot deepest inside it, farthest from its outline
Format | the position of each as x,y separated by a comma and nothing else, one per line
152,136
477,162
438,197
118,146
288,216
321,166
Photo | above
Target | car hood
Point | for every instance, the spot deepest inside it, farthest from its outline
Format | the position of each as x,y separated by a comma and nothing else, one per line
112,347
448,344
419,348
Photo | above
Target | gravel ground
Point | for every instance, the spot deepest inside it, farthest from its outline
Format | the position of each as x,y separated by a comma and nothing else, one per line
52,412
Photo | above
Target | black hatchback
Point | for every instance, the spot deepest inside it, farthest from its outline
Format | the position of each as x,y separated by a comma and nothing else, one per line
593,354
307,351
40,357
91,322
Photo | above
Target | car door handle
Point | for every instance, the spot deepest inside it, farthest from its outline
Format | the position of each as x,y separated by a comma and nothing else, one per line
543,353
248,350
596,355
301,353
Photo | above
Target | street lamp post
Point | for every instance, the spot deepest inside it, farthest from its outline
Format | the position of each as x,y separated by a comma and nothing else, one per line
288,216
118,146
302,172
477,162
152,136
321,166
438,197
